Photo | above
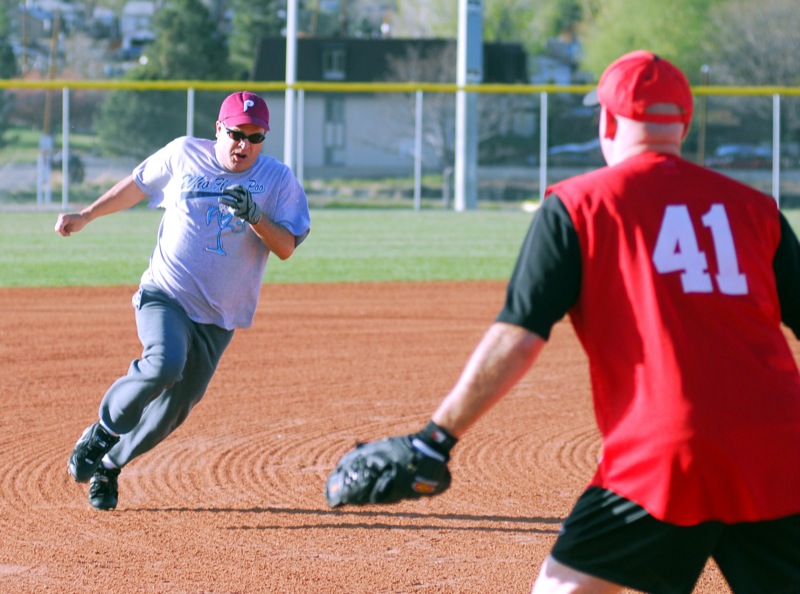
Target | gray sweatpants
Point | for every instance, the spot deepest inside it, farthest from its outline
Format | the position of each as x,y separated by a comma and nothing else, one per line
179,358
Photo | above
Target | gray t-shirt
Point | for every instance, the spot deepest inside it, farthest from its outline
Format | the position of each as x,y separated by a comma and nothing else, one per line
208,260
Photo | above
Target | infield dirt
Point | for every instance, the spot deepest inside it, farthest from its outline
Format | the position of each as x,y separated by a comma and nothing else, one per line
232,502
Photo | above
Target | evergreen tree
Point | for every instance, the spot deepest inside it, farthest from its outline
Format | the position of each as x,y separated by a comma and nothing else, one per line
188,46
528,22
252,20
188,43
8,69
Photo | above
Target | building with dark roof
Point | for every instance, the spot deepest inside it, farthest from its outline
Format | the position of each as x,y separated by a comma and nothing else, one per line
371,60
372,134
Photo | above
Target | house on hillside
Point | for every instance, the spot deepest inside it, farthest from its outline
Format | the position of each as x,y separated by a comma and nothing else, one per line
370,133
136,27
33,25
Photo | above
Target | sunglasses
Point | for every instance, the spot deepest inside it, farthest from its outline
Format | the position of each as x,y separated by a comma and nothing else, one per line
239,136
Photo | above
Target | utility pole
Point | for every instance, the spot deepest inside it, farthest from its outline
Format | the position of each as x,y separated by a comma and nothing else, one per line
469,71
45,159
291,79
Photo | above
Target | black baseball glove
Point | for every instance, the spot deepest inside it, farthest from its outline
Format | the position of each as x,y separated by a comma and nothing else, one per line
241,204
392,469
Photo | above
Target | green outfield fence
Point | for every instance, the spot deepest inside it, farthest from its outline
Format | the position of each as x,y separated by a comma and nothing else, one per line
384,144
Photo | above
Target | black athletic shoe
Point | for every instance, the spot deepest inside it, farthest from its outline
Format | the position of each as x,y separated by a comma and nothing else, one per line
104,489
87,453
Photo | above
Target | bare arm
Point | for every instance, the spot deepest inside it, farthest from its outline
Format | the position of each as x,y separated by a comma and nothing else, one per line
277,238
502,357
415,465
123,195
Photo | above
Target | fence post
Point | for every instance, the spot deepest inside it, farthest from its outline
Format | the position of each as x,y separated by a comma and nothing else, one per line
776,148
190,111
301,103
65,148
291,78
542,144
418,151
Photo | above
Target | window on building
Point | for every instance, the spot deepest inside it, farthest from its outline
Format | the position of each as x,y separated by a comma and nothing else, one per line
334,132
333,63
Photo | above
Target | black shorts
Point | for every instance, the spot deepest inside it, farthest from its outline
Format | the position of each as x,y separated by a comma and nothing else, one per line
612,538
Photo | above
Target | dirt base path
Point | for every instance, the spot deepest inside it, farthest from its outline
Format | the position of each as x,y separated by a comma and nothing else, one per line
232,502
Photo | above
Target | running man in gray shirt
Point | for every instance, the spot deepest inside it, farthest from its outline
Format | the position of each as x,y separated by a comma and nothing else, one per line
226,208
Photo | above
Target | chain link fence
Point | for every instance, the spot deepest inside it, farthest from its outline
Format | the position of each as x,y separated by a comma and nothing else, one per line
66,142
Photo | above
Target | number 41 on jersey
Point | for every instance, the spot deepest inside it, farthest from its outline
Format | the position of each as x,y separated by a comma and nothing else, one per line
677,250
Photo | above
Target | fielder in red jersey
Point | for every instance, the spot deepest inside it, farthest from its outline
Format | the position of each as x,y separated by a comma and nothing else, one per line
677,281
697,395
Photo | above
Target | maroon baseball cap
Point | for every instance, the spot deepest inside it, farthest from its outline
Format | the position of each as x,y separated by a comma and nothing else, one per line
244,108
638,80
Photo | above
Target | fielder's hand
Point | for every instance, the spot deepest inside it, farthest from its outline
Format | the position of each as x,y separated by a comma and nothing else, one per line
241,204
392,469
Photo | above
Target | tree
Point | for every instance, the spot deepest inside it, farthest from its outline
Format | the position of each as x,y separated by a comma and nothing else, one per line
188,43
675,29
756,44
498,115
530,23
8,69
425,18
533,23
438,66
252,20
188,46
256,19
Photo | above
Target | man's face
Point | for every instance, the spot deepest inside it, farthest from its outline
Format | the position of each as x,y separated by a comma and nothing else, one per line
238,147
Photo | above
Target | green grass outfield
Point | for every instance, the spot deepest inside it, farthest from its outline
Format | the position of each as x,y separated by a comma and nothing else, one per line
344,246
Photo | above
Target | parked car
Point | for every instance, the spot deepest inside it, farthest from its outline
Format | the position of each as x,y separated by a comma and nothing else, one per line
741,156
77,172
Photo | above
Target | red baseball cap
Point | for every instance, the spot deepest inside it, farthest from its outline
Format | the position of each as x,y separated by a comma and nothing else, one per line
244,108
638,80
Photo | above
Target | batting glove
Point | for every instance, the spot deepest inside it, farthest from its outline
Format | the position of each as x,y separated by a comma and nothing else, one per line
240,202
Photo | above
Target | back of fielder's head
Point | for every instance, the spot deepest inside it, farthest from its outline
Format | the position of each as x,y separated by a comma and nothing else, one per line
644,87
